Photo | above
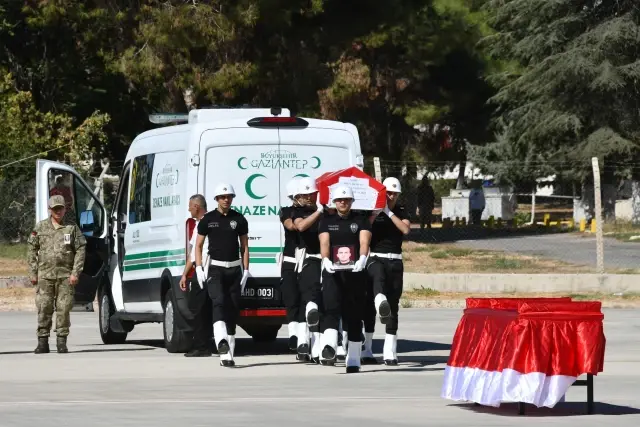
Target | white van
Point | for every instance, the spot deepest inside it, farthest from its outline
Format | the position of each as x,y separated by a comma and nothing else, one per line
136,255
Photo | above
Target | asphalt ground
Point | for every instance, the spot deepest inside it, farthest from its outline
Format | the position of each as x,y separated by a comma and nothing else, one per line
571,248
139,383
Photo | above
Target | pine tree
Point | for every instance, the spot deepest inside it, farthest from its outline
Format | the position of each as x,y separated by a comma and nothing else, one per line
570,93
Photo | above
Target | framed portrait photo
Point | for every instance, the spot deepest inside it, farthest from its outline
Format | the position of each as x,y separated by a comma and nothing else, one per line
343,257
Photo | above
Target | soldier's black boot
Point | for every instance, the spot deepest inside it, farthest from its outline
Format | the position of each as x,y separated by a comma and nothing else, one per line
62,345
199,353
43,345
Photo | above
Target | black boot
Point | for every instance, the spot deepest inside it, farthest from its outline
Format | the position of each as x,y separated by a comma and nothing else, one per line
43,345
199,353
303,357
223,347
368,361
385,312
293,343
61,343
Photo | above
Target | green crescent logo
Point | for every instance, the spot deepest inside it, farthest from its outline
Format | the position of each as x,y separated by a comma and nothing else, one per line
249,182
319,162
240,162
301,175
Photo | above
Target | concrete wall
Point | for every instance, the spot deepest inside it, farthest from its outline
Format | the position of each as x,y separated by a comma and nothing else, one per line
505,283
624,209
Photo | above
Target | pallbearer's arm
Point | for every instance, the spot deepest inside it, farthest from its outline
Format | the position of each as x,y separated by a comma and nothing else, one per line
243,234
287,221
203,228
324,245
302,224
323,236
402,224
198,248
244,251
365,241
401,220
288,224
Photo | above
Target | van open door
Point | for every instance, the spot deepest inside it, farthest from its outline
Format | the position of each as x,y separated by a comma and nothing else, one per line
83,209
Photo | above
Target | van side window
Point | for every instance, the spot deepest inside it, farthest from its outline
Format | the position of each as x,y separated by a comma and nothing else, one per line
140,196
80,202
123,197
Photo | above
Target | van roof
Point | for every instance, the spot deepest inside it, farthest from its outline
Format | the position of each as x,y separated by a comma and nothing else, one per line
230,123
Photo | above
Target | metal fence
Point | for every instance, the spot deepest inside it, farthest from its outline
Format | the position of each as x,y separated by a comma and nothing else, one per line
17,209
517,232
551,230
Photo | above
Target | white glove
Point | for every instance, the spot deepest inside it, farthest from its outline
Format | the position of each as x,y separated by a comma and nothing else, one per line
200,276
388,212
359,265
327,265
320,206
243,281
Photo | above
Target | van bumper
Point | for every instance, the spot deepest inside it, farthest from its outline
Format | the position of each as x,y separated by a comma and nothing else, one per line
261,303
263,316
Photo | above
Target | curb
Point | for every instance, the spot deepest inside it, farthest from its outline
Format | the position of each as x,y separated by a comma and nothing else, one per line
486,283
15,282
523,283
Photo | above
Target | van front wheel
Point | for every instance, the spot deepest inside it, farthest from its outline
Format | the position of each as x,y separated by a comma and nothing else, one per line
105,311
175,339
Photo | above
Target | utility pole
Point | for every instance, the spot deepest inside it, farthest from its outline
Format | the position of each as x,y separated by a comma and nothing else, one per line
598,207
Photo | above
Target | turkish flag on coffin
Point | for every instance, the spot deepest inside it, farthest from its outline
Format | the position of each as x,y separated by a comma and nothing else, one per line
523,350
368,193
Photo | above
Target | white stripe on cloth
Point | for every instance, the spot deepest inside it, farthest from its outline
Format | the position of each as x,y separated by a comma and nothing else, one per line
493,388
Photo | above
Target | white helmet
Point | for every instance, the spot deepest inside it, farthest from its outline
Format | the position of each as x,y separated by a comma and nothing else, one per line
392,184
342,192
222,189
292,187
307,185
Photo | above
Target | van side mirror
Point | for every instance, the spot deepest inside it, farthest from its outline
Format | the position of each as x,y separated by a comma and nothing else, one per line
122,219
87,224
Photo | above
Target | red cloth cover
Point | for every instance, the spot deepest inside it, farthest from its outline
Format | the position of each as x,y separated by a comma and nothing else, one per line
541,335
496,347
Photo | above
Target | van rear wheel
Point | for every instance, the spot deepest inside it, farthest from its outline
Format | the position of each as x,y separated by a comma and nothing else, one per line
175,339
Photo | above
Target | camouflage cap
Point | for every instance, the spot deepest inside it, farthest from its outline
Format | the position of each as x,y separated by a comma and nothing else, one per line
55,201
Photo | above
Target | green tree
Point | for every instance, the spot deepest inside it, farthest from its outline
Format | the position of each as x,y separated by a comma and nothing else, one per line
60,53
572,94
26,132
420,69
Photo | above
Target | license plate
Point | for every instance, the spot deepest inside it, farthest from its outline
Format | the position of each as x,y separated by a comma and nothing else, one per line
259,293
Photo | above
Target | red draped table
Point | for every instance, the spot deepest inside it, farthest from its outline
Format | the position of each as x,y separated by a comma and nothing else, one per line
525,350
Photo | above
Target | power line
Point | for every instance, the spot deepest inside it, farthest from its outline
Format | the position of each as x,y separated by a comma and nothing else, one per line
34,155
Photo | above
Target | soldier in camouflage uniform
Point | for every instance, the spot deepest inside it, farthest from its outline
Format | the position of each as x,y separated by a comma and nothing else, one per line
56,258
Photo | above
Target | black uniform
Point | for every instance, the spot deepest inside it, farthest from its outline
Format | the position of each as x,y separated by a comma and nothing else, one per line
220,298
343,292
289,280
385,274
309,279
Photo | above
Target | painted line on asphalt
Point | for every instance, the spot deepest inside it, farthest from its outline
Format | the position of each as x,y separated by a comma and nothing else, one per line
211,401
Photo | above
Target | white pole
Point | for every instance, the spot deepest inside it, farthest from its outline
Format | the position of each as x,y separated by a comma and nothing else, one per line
598,207
377,170
533,208
99,184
